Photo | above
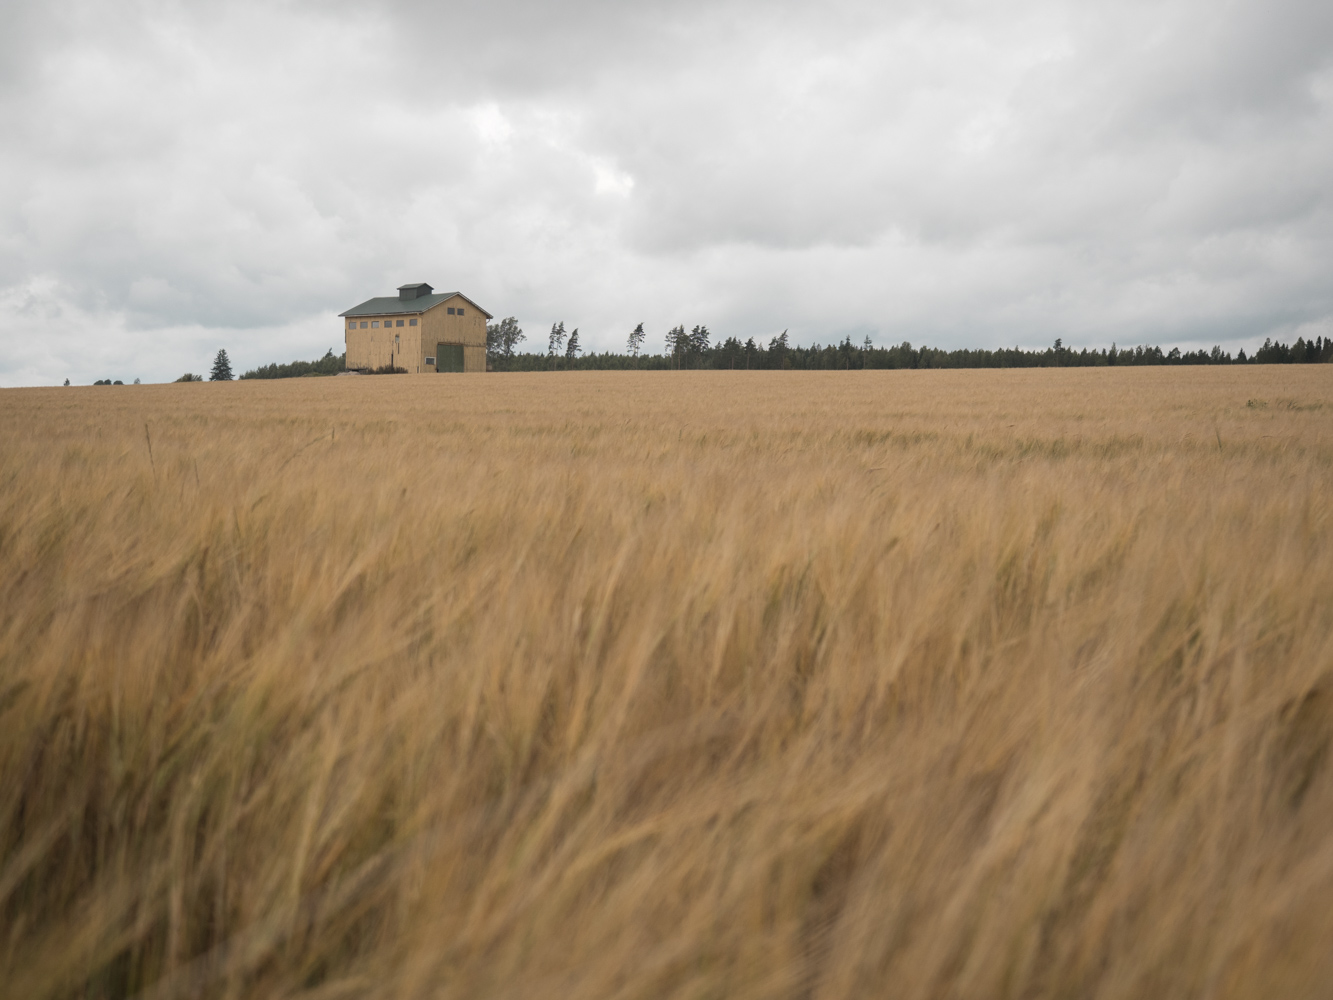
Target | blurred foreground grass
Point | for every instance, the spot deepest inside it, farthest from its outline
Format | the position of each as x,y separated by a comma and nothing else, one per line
817,685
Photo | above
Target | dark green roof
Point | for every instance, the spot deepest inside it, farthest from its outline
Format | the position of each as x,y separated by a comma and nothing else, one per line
394,306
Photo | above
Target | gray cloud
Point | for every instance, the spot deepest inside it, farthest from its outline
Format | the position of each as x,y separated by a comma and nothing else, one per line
183,177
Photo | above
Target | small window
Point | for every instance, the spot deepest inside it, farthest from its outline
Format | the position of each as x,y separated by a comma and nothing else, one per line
411,322
460,310
451,310
400,323
375,325
430,361
363,326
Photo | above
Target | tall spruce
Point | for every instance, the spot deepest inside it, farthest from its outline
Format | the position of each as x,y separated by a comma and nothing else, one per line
221,368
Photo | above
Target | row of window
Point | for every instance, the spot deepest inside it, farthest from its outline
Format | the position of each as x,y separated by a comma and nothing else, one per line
374,324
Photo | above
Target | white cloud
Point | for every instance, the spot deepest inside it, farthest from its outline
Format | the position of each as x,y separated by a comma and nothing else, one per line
182,177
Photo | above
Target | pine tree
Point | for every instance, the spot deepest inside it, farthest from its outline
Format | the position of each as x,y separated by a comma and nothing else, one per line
636,340
556,342
699,341
676,342
573,350
221,368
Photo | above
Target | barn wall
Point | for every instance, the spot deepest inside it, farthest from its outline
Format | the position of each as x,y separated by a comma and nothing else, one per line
371,348
438,327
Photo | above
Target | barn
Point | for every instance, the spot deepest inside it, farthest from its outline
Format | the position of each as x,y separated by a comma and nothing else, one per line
421,330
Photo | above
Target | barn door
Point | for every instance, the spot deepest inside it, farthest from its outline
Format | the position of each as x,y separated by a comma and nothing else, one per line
448,357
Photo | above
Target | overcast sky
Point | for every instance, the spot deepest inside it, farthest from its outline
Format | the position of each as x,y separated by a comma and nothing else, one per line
179,177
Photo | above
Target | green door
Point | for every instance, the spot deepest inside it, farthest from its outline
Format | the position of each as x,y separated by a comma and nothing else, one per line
448,357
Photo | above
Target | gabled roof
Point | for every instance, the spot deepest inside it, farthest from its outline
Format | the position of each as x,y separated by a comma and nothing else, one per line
394,306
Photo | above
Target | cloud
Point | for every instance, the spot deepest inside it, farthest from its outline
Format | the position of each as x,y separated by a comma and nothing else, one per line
960,173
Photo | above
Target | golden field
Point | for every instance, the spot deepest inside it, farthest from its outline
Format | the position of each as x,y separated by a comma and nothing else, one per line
689,685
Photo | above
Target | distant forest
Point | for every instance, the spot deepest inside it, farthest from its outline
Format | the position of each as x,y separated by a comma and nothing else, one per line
330,364
695,350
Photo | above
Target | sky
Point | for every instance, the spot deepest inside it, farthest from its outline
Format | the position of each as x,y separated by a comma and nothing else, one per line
178,178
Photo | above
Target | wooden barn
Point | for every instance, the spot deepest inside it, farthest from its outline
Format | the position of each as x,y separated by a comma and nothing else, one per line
421,330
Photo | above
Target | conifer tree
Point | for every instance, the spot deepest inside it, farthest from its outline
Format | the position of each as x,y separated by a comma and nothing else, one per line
636,341
676,342
699,341
221,368
556,342
573,350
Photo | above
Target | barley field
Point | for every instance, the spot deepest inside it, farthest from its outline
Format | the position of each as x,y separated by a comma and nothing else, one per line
918,684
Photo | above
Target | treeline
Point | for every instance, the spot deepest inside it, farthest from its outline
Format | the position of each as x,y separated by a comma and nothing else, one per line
697,350
330,364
